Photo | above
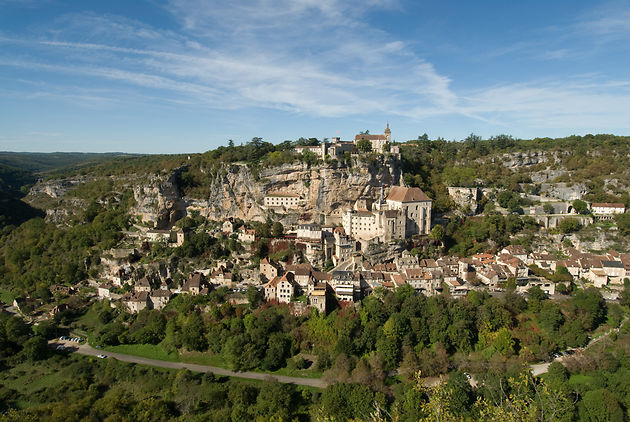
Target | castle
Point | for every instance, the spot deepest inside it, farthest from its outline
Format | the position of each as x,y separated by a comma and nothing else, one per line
336,148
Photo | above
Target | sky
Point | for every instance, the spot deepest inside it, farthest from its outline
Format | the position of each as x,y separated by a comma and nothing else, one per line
181,76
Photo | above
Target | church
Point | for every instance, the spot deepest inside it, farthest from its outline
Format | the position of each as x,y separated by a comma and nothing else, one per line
404,213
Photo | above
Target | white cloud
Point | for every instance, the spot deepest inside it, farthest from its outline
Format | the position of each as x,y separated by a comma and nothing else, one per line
578,105
313,57
307,56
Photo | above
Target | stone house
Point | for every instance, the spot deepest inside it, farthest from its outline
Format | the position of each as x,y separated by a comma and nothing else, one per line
268,268
159,298
281,288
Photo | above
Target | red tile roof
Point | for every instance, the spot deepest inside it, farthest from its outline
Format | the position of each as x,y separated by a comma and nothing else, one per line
402,194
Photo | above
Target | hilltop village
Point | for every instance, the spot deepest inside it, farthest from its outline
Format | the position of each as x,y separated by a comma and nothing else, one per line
345,257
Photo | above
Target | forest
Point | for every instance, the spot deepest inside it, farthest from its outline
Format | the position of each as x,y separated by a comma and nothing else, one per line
488,338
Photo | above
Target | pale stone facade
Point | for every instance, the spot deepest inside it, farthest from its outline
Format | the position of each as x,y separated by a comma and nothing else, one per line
405,212
286,200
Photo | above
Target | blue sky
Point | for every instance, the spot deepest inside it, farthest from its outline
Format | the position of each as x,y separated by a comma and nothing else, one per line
187,75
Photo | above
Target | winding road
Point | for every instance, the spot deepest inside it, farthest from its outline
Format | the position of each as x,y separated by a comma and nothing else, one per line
87,350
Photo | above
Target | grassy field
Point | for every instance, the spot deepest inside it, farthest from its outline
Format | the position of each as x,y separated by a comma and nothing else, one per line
303,373
201,358
149,351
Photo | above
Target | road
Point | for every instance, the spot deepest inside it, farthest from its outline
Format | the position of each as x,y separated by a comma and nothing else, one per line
87,350
541,368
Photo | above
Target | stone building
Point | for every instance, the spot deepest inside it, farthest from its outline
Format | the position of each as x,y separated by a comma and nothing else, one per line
380,143
405,212
286,200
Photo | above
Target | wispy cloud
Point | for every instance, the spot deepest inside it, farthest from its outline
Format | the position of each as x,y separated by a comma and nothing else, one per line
310,57
318,59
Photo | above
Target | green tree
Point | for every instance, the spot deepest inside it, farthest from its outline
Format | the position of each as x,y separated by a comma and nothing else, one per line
535,292
254,296
437,232
550,316
35,348
364,145
193,335
569,225
278,348
504,342
274,402
461,394
277,229
580,206
548,208
600,405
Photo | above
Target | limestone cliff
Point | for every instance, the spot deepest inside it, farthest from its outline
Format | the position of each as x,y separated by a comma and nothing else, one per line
159,200
236,190
326,188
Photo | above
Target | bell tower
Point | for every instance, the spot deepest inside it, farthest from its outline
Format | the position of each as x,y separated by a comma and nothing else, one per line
388,133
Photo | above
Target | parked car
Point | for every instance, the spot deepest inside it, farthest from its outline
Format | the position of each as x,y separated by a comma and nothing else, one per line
101,356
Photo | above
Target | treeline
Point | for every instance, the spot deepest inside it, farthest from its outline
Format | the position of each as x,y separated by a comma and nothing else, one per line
81,388
594,385
390,330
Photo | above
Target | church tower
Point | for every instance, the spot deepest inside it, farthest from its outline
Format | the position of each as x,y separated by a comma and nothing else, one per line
388,133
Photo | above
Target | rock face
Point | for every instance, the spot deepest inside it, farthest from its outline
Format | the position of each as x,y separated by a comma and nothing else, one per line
563,191
464,197
327,188
235,191
159,200
529,158
56,188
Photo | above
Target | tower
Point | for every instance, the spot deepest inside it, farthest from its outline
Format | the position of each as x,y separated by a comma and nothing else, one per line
388,133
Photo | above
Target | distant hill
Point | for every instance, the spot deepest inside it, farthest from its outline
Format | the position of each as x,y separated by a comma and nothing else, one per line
38,162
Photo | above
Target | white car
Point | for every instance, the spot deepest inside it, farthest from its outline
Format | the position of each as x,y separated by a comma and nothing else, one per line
101,356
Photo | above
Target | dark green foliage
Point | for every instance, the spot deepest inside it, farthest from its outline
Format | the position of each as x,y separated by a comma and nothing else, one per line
364,145
341,402
600,405
569,225
277,229
148,327
589,307
580,206
472,235
623,223
35,348
462,395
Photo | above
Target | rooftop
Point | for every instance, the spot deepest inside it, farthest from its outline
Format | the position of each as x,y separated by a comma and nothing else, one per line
402,194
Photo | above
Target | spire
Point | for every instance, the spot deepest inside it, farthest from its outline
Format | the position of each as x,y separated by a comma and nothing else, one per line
387,129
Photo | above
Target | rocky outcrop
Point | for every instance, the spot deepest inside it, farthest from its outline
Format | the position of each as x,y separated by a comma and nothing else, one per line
159,200
235,190
529,158
563,191
326,188
56,188
465,197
